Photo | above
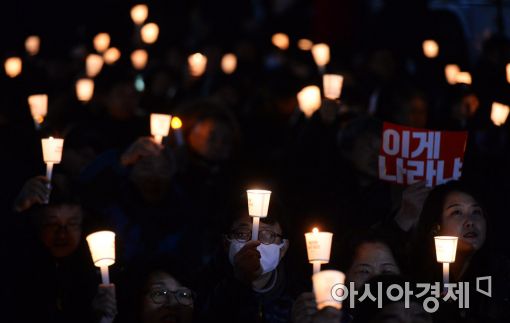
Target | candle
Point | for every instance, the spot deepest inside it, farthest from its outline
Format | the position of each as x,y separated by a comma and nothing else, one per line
93,64
463,78
160,126
32,45
176,125
139,59
309,100
451,71
228,63
280,40
499,113
446,248
84,89
430,48
305,44
149,33
332,84
52,153
13,66
38,104
318,247
139,14
258,205
102,249
101,42
197,64
323,283
321,56
508,72
111,55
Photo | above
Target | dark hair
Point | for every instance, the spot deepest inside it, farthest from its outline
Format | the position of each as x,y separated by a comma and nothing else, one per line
355,129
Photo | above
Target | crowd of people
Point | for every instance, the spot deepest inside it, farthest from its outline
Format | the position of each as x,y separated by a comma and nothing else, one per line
179,208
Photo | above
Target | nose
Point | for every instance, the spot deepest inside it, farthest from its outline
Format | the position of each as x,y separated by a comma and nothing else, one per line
171,300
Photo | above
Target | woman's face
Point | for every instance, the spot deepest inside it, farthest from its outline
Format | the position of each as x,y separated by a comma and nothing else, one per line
464,218
60,229
211,139
371,259
165,300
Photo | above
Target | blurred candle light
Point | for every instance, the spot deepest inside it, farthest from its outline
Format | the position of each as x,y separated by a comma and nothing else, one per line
52,153
463,78
160,126
508,72
323,287
451,71
176,125
499,113
321,56
305,44
446,248
318,247
102,249
111,55
309,100
281,41
197,64
229,63
258,205
13,66
32,45
101,42
93,64
149,33
139,59
430,48
139,13
84,89
38,104
332,84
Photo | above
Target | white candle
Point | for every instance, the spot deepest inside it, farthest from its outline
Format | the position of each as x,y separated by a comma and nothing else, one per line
160,126
318,247
52,153
84,89
149,33
93,64
229,63
332,85
176,125
508,72
323,283
197,64
446,248
139,13
102,249
139,59
499,113
258,205
38,104
281,41
451,71
32,45
101,42
309,100
13,66
430,48
321,56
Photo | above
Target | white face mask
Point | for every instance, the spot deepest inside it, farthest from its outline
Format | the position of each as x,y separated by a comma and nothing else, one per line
269,254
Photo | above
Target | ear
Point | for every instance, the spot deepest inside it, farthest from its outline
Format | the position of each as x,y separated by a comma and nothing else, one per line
283,250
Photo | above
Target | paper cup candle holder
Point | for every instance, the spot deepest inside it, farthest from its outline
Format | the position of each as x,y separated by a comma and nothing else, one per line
446,248
160,126
102,249
318,247
323,284
258,205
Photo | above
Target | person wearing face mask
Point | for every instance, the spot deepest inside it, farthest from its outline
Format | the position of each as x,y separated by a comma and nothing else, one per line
251,278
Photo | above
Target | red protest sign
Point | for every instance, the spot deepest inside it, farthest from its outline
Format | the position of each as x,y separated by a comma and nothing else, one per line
409,155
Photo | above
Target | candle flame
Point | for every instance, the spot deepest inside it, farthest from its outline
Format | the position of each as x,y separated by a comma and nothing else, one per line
176,123
315,230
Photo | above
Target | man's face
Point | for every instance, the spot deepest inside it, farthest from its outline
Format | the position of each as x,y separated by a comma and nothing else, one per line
60,229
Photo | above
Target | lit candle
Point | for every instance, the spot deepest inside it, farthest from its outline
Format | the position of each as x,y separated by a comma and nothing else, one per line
430,48
463,78
451,71
280,40
160,126
446,248
309,100
332,85
323,283
499,113
176,125
508,72
197,64
84,89
228,63
13,66
139,14
321,56
52,153
111,55
149,33
93,64
101,42
258,205
318,247
305,44
38,104
139,59
102,249
32,45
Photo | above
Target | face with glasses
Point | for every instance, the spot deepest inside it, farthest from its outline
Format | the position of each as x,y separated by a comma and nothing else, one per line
60,229
166,300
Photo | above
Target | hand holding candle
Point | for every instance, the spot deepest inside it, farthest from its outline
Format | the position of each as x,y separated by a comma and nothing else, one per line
102,249
52,153
160,126
446,248
258,205
323,283
318,247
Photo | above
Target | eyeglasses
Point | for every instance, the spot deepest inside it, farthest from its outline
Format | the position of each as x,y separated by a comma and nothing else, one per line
265,236
183,296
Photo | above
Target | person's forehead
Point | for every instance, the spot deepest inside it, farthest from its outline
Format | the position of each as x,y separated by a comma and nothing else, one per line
164,279
459,198
373,252
63,213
